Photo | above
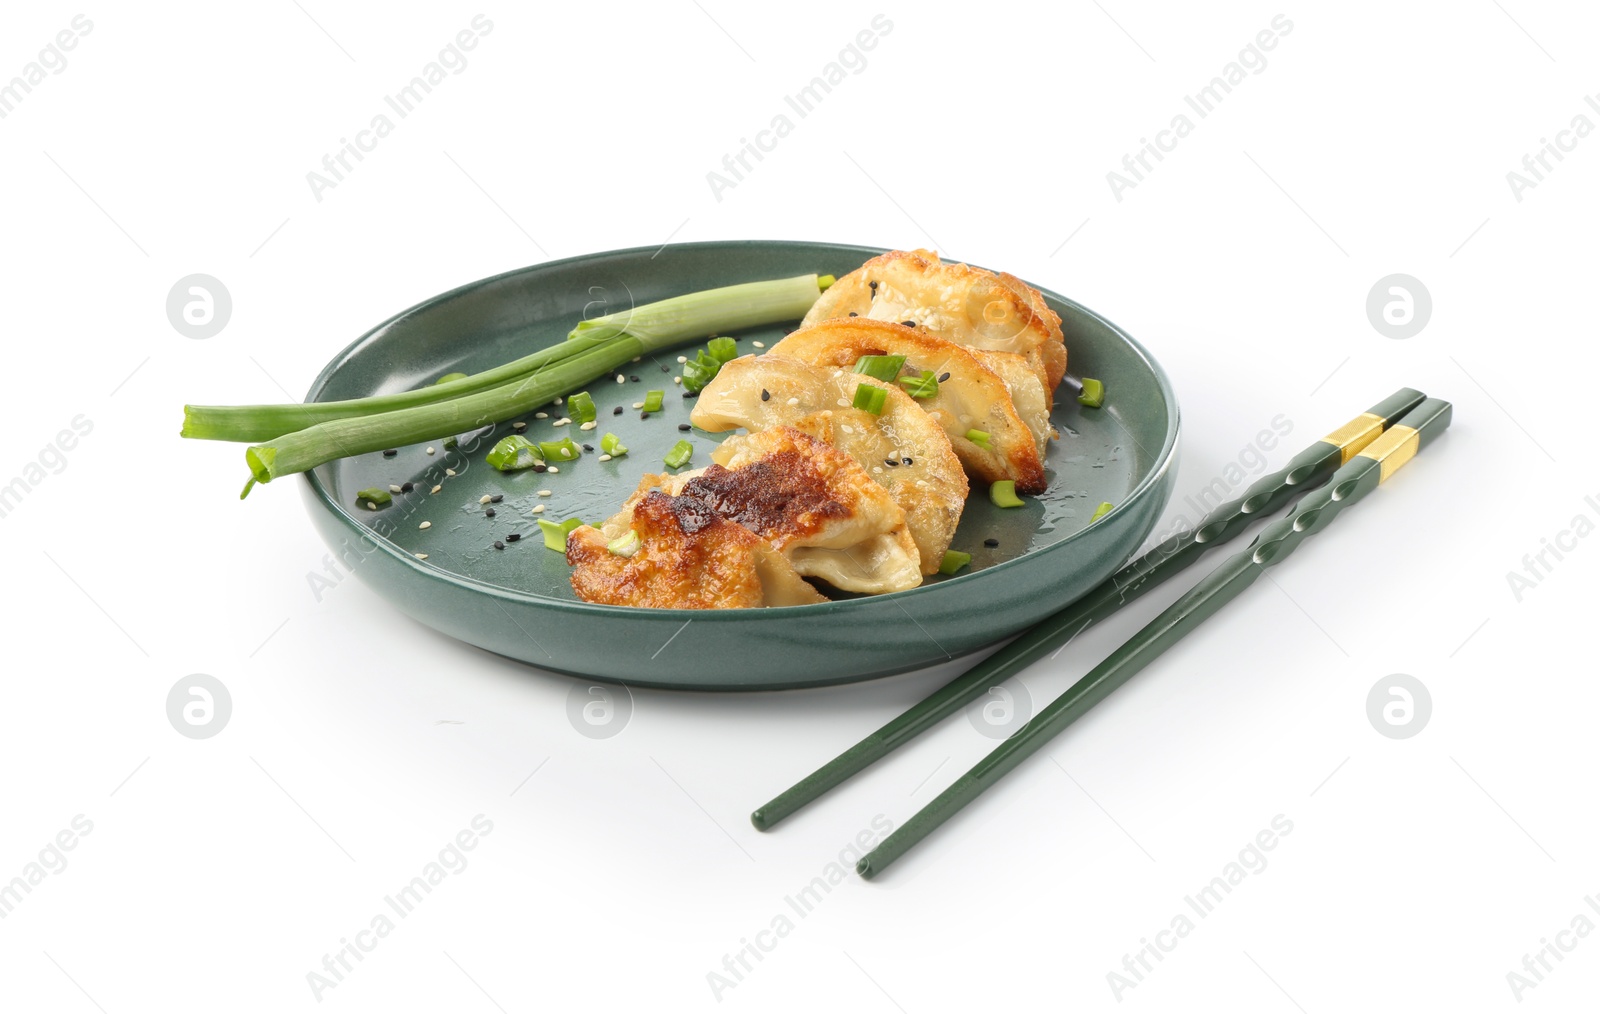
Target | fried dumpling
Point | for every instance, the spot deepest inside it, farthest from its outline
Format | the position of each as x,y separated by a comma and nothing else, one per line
903,449
968,305
688,557
971,396
811,502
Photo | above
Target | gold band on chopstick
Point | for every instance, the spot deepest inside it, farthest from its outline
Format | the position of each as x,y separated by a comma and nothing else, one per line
1393,449
1355,434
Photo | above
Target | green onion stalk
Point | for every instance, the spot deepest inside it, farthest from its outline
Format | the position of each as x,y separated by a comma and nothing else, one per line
296,438
251,423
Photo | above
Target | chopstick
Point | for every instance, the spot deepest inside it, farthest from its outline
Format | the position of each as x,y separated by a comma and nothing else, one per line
1304,471
1353,481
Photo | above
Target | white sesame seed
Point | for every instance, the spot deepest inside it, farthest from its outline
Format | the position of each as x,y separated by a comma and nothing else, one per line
842,403
449,471
561,422
603,457
683,359
638,404
792,401
426,524
677,380
637,358
537,509
544,492
420,556
430,450
847,428
541,415
876,469
519,425
393,488
371,506
621,379
588,425
557,401
552,469
435,490
759,345
484,498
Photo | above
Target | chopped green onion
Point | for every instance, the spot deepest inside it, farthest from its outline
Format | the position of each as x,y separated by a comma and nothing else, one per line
1100,512
953,561
884,368
680,454
823,281
625,545
612,445
559,450
723,350
514,452
1004,493
699,371
374,497
581,406
979,437
870,398
451,377
555,532
652,401
923,387
1094,393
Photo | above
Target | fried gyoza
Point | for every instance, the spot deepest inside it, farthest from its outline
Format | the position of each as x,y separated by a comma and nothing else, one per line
902,448
967,305
971,394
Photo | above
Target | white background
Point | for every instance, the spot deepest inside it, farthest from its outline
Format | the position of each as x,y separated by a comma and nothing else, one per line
219,872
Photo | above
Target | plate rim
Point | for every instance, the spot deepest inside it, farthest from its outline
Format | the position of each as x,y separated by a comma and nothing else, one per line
1165,457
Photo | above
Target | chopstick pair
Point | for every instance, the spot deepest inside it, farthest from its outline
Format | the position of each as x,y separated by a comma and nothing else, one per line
1356,457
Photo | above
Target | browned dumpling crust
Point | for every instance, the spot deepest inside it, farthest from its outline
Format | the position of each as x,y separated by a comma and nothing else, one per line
689,557
903,449
810,501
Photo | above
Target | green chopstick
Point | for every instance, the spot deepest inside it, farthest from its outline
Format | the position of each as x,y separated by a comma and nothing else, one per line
1304,471
1353,481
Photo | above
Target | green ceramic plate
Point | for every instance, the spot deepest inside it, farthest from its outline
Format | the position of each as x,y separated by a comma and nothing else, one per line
518,602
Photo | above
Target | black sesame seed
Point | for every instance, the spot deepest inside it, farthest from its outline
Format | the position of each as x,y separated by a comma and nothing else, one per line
497,498
854,314
644,415
540,466
684,427
991,543
874,287
943,377
391,452
665,370
905,461
588,447
514,536
407,487
634,379
489,513
691,394
908,323
617,410
891,462
766,395
498,544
